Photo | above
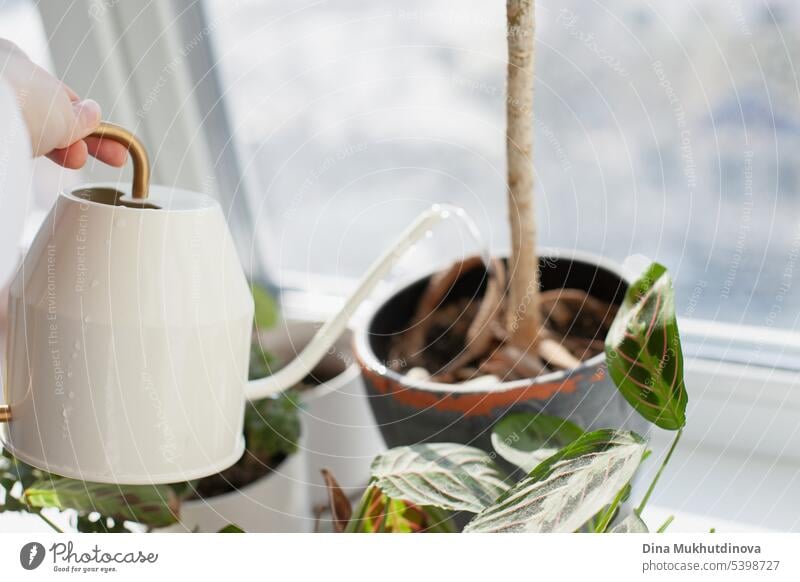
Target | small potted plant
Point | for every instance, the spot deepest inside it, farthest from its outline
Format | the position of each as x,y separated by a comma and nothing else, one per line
568,479
338,427
447,356
264,491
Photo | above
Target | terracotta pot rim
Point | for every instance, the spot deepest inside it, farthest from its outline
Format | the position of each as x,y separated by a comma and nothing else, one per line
369,361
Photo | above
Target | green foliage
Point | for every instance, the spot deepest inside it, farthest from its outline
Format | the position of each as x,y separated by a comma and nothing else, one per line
96,523
445,475
231,528
13,470
566,490
631,524
15,476
643,351
525,439
266,308
601,521
379,513
272,430
155,505
574,477
262,362
587,479
272,426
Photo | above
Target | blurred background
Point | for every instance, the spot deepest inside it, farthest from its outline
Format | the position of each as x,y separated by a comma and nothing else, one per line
670,130
664,130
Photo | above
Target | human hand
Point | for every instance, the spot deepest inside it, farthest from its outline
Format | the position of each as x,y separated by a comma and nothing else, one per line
58,121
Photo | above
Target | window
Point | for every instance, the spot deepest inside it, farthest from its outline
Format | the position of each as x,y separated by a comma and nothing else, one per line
21,23
667,130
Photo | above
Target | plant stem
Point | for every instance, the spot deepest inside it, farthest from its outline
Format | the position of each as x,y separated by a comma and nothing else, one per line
361,510
665,525
523,318
608,514
658,474
48,522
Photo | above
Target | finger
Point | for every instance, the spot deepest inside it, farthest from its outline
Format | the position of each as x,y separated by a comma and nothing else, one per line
85,119
72,157
73,96
105,150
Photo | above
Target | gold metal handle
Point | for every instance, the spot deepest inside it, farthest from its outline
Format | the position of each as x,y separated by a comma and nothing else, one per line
5,413
141,164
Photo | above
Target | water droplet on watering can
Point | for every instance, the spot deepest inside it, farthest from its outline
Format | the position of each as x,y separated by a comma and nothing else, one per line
95,283
119,222
76,345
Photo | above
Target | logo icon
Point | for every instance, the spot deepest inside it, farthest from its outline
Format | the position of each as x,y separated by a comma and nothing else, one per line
31,555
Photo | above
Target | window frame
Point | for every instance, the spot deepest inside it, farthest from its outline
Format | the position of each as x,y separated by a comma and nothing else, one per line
97,50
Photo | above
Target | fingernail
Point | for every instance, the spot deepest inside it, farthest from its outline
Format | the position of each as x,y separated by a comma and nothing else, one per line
87,112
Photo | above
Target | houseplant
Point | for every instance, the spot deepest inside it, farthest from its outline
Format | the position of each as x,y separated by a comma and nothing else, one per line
338,427
259,493
265,490
572,480
523,333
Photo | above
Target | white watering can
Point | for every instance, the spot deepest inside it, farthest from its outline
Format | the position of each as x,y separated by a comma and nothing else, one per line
130,324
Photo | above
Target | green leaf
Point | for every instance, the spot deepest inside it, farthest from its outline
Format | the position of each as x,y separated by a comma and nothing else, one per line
272,425
569,488
262,362
643,351
631,524
376,512
666,524
99,524
526,439
231,528
152,505
606,516
266,309
445,475
13,468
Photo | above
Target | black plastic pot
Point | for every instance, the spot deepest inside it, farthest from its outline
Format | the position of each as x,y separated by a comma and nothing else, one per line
412,411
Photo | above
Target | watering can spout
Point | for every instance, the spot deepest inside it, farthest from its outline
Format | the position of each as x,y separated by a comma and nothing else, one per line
318,347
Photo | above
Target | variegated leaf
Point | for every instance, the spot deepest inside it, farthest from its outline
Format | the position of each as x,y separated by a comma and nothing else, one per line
643,351
631,524
569,488
526,438
444,475
152,505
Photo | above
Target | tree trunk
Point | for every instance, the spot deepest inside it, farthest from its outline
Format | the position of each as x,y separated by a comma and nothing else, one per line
523,317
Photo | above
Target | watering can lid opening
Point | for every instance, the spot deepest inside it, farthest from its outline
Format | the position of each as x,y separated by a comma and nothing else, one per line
161,198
